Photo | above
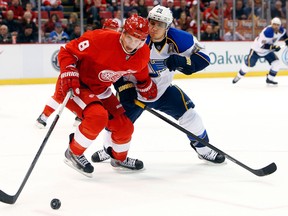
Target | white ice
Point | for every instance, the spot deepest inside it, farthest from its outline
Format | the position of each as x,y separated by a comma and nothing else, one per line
247,120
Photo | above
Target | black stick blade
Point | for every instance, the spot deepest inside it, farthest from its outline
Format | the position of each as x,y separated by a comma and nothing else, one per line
271,168
7,198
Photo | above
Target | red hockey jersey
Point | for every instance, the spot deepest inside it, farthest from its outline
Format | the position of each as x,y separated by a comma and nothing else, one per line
101,61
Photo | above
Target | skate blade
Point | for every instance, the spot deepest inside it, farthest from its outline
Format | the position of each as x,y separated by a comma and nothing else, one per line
70,164
39,126
211,163
126,169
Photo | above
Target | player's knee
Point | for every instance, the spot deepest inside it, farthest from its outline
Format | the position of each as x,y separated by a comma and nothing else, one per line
95,118
123,129
191,121
275,65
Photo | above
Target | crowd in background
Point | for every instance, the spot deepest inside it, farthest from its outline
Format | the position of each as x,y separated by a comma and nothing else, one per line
18,18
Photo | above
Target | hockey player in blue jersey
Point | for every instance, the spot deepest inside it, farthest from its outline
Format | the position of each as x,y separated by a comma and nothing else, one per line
170,50
264,46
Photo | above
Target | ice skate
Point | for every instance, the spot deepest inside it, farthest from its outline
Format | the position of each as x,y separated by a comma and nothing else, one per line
100,156
268,81
236,79
209,155
77,121
79,163
129,163
41,121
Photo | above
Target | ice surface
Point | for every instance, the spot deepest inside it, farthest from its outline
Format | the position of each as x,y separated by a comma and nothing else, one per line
247,120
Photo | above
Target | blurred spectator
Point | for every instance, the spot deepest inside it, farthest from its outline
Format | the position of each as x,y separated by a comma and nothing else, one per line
206,3
229,36
5,36
118,18
27,36
72,22
210,14
278,11
113,6
209,34
127,8
93,9
193,10
52,5
13,26
142,8
89,27
240,11
3,6
27,19
133,11
171,6
58,35
193,25
227,10
49,26
183,8
248,9
17,9
25,2
183,21
76,33
29,8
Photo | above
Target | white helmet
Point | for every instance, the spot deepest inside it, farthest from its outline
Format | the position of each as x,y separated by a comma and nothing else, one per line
276,21
162,14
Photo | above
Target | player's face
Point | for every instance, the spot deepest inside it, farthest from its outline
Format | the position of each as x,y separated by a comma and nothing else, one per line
130,43
275,27
157,30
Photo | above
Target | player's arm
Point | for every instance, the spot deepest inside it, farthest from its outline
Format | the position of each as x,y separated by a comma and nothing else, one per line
193,57
188,64
68,57
144,84
267,35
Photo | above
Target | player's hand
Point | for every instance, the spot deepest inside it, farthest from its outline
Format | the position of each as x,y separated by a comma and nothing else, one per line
177,62
70,79
286,42
147,89
276,48
126,91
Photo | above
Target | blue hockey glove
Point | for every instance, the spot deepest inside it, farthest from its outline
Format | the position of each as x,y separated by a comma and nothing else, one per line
275,48
177,62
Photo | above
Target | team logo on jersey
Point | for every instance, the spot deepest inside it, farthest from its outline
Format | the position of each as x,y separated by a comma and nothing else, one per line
156,67
112,76
54,60
285,56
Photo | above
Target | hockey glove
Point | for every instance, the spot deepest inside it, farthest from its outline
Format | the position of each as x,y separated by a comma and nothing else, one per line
286,42
147,89
177,62
113,106
275,48
70,79
126,91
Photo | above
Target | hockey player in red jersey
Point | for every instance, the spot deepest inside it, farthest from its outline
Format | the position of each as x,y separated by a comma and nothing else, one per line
111,24
89,65
57,98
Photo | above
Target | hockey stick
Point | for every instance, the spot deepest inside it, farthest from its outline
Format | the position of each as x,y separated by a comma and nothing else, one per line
4,197
271,168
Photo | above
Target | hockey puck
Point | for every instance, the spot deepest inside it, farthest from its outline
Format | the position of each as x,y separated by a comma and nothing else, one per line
55,204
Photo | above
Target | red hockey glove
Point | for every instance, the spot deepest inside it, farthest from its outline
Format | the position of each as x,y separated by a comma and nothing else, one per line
113,106
147,89
70,79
